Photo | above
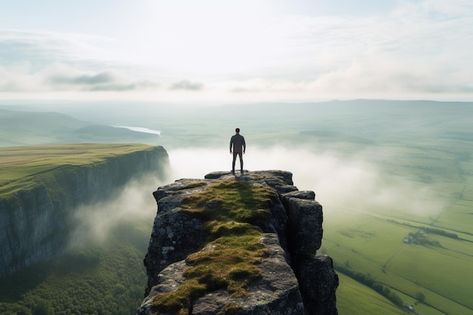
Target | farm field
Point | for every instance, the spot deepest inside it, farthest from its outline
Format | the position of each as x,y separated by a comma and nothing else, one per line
431,271
351,293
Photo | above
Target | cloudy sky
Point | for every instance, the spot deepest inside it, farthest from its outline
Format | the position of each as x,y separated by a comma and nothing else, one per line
236,50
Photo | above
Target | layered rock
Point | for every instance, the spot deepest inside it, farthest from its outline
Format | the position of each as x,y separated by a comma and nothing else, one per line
238,245
35,222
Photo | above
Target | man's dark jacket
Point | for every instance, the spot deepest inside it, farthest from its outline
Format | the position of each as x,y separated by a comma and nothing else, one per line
238,143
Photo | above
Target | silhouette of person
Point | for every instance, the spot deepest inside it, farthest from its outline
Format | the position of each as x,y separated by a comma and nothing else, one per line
237,147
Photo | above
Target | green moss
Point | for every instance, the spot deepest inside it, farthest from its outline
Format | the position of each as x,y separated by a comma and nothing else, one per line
232,199
232,210
180,300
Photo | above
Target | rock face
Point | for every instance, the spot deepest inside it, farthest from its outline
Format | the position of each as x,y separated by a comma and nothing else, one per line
35,222
242,244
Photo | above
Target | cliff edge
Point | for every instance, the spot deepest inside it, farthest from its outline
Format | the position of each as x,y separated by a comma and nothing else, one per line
37,209
238,245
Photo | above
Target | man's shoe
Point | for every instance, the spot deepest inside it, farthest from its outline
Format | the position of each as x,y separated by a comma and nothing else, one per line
233,172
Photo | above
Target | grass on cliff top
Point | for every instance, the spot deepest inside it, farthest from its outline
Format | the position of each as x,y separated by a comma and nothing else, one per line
21,164
232,210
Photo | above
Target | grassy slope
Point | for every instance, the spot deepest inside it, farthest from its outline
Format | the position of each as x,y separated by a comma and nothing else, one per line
21,164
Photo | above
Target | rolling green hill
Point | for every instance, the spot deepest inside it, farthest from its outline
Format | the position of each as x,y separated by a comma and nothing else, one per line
30,128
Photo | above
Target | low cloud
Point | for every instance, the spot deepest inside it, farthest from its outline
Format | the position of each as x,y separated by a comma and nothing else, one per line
60,77
133,203
84,79
187,85
58,62
103,81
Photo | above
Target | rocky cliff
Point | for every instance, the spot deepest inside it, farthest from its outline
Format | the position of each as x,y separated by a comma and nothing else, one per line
238,245
35,221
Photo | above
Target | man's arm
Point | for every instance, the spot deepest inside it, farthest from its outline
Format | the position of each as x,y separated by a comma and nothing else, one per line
231,144
244,144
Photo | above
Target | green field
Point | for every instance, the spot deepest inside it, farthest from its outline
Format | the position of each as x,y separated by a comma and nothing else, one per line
371,240
356,299
21,164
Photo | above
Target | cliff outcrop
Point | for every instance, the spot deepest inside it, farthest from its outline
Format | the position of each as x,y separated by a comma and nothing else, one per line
36,221
238,245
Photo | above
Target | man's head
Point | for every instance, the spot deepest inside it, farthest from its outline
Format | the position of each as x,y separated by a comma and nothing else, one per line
237,130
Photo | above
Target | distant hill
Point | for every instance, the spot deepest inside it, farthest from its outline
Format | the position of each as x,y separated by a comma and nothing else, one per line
109,133
27,128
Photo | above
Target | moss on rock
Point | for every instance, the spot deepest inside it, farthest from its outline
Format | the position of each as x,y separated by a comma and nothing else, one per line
232,210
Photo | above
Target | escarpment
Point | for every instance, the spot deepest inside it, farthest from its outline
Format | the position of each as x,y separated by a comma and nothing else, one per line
37,219
238,245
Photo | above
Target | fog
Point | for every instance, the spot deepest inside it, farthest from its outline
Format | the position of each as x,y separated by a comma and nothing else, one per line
342,183
132,204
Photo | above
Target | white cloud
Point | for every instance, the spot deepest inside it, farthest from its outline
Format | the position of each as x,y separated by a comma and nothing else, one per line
418,50
186,85
63,78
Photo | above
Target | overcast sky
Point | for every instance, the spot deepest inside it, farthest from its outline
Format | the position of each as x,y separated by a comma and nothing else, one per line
240,50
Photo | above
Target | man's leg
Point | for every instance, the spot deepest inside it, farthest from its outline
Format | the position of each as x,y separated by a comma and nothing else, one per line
241,161
233,162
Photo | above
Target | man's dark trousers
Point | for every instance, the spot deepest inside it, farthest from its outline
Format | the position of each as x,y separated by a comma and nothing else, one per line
234,159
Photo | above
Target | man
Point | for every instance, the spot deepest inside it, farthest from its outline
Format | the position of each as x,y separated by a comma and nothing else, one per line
238,147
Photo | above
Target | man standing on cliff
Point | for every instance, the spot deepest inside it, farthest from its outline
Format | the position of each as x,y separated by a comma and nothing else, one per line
237,147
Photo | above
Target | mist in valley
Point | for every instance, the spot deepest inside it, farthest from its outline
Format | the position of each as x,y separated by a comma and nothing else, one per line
342,183
361,161
130,205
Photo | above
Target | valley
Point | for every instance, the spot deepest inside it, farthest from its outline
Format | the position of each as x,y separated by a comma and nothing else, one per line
395,180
